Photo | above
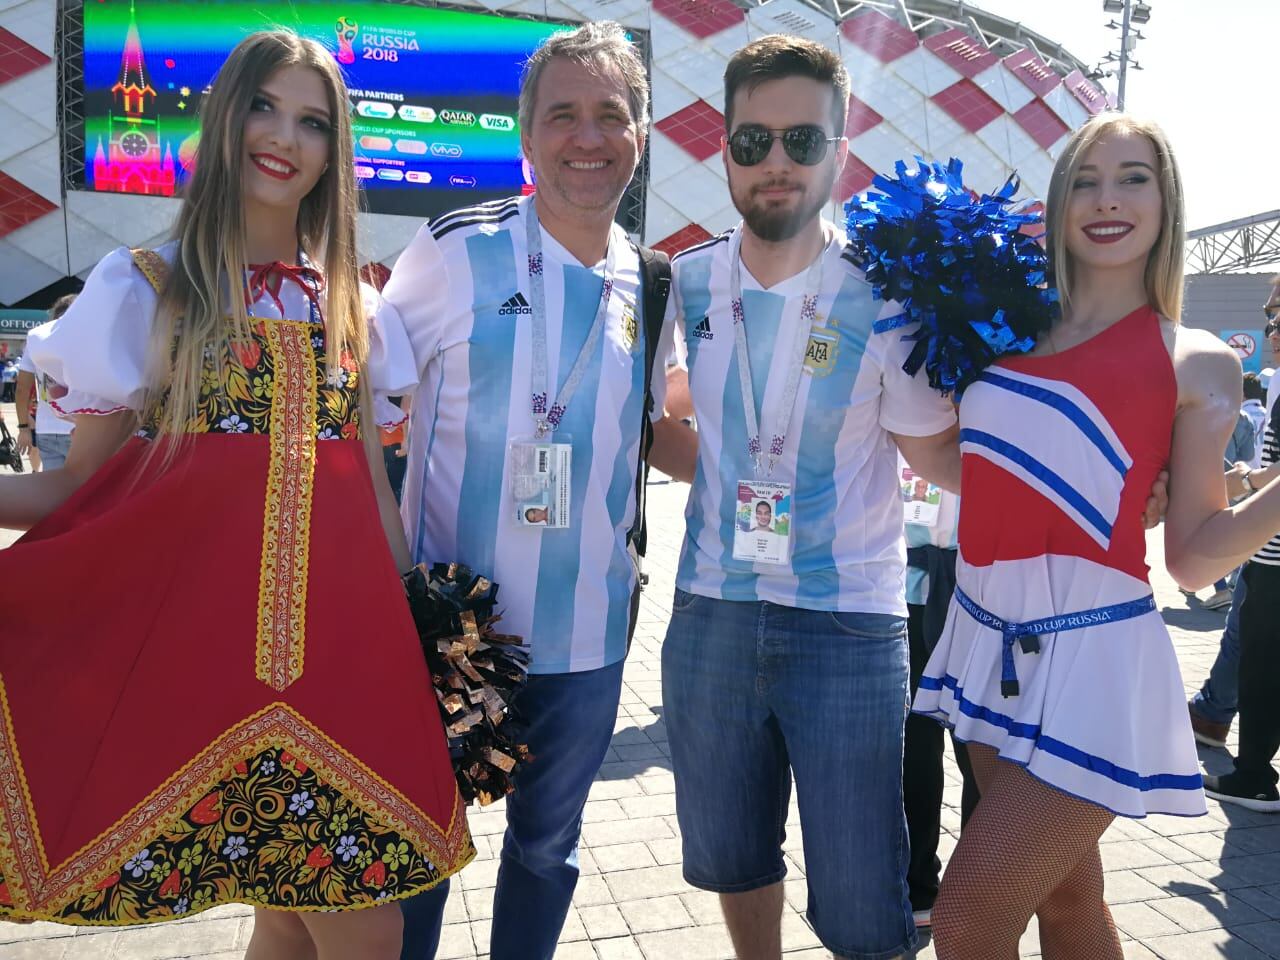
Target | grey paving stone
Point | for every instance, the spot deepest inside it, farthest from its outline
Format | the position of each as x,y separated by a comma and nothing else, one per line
710,942
1141,920
592,891
646,882
624,856
456,942
1208,911
1215,944
1264,936
604,921
626,831
1130,855
656,913
618,948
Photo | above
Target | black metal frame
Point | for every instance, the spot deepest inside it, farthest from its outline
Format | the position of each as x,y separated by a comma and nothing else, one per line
69,44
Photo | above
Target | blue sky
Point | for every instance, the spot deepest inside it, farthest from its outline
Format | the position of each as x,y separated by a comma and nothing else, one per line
1210,77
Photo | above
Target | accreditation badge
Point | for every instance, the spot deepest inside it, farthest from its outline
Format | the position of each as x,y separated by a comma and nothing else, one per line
762,524
540,476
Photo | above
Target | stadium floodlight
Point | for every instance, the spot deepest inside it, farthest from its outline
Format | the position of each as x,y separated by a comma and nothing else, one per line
1131,11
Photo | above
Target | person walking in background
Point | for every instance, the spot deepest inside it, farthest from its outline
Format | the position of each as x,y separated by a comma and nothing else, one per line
8,380
1213,708
1252,782
45,431
1254,396
931,578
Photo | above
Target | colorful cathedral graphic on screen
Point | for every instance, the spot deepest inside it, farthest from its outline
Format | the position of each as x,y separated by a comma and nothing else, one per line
433,93
130,160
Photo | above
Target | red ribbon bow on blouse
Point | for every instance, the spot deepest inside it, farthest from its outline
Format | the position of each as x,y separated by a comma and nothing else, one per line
266,279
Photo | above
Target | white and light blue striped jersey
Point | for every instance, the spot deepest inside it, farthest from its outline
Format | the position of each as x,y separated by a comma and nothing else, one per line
847,518
462,291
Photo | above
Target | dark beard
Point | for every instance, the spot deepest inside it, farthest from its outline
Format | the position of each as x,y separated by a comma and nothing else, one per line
778,224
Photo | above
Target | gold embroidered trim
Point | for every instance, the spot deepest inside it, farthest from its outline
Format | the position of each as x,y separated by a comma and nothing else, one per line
286,524
152,266
40,890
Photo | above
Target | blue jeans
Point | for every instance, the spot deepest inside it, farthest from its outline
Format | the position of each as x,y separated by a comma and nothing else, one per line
570,720
756,693
53,448
1219,696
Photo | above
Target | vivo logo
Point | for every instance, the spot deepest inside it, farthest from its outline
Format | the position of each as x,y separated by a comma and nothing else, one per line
446,150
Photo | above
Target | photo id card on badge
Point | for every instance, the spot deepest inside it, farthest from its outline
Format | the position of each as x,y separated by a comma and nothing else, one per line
762,524
540,475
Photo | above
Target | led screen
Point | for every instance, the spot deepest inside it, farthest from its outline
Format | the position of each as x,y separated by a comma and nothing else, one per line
433,93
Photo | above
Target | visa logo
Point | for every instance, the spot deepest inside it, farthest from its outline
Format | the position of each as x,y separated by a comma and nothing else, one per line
496,121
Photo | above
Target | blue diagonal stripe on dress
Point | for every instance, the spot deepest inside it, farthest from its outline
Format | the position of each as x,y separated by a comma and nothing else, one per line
1052,480
1058,748
1067,408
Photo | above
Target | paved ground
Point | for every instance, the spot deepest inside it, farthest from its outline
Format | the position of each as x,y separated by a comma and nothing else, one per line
1180,889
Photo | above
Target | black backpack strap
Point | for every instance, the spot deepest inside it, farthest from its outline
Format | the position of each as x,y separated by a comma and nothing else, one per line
655,287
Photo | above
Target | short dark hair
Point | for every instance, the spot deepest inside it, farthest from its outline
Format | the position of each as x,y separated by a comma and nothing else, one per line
777,56
61,305
1253,388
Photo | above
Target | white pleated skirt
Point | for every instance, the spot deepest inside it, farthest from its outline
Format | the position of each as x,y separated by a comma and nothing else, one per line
1101,712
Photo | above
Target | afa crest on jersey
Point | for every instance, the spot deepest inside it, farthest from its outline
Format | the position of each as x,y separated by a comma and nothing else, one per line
630,329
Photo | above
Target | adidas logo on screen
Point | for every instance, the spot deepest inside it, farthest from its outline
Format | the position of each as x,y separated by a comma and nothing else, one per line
703,330
516,306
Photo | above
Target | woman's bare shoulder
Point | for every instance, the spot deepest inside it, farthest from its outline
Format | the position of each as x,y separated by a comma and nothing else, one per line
1204,366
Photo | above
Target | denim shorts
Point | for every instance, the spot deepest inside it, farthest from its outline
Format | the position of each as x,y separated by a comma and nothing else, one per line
755,694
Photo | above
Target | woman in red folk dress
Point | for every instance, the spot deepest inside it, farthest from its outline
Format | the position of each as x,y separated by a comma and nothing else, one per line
1054,665
213,692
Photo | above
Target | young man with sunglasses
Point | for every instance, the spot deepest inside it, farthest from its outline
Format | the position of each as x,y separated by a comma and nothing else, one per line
787,653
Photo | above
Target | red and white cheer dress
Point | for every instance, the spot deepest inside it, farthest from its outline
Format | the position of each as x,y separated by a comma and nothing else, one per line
1054,652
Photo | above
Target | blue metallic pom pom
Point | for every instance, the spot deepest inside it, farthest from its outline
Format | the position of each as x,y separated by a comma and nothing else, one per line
959,265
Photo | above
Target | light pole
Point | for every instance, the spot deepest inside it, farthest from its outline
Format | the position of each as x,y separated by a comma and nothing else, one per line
1131,12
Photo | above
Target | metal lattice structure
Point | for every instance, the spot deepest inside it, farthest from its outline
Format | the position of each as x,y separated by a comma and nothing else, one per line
1235,246
927,17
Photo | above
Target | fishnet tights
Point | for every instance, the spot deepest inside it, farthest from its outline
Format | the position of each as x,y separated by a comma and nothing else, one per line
1028,849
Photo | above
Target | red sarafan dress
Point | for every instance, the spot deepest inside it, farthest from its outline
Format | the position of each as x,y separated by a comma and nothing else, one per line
210,683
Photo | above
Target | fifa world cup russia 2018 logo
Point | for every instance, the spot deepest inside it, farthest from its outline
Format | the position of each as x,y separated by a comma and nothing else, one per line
347,31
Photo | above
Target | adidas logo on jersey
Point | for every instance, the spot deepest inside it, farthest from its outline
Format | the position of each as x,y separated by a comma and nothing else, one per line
703,330
515,306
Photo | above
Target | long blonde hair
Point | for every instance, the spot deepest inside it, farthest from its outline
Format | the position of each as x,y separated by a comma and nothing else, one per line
201,306
1163,277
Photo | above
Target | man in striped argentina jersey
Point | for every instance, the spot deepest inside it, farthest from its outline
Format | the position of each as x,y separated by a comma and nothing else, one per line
798,667
473,290
1252,783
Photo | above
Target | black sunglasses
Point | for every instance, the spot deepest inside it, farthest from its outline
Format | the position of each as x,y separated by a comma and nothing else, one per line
806,144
